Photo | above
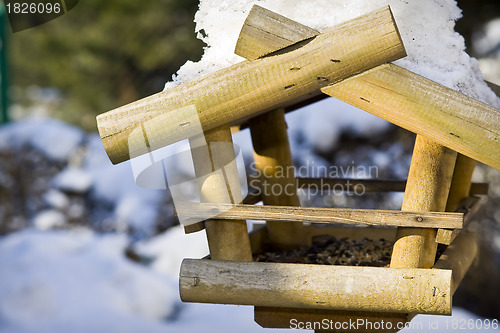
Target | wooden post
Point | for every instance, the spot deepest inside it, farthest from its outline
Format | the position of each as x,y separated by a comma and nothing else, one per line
427,189
227,240
461,183
272,156
459,190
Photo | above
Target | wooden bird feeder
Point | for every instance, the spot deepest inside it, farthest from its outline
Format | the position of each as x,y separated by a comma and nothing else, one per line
290,65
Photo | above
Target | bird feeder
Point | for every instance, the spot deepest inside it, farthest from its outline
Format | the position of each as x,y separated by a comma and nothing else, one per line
290,65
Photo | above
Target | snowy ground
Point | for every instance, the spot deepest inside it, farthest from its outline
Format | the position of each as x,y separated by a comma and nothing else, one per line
79,281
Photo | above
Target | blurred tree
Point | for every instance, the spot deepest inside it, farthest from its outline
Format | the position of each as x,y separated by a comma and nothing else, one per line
104,54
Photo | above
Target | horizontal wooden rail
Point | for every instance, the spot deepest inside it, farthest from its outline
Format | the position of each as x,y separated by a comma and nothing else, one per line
322,215
317,286
427,108
365,185
251,87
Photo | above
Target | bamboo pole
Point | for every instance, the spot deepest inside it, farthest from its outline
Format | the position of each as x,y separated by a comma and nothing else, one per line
427,189
330,287
249,88
441,114
215,168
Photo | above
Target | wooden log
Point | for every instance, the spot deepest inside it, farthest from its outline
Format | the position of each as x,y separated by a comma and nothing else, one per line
459,191
316,286
265,32
249,88
425,107
215,168
376,217
427,189
458,257
319,318
469,208
271,155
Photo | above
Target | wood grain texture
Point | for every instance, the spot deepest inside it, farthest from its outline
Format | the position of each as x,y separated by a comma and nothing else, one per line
427,189
265,32
459,257
425,107
461,182
323,215
271,155
316,286
469,207
249,88
211,152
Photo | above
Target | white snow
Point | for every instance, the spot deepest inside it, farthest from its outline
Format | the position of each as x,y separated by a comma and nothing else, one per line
56,199
79,282
73,180
434,49
168,249
48,219
60,281
53,138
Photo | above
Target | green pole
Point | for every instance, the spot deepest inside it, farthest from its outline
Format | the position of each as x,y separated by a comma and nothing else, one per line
4,75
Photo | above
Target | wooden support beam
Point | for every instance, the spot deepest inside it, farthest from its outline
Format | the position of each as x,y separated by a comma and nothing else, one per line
218,182
469,208
384,218
425,107
246,89
427,190
272,156
461,182
458,257
316,286
459,191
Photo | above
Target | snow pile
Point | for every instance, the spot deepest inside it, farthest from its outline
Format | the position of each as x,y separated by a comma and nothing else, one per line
54,139
434,50
52,281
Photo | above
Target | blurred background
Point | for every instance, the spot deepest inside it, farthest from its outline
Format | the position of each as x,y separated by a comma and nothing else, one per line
79,238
